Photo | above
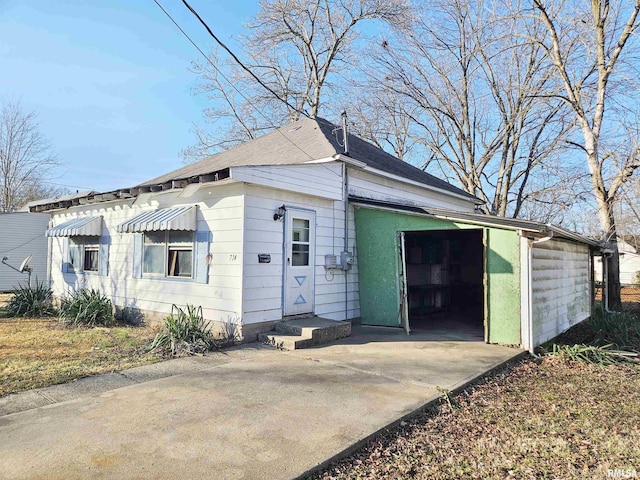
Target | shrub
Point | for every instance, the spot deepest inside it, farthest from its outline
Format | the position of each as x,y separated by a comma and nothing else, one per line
31,302
184,332
86,308
637,278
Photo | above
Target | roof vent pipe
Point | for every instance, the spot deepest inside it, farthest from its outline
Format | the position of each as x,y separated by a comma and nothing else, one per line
345,132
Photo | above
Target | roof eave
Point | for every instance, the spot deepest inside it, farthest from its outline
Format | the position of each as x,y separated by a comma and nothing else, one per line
130,193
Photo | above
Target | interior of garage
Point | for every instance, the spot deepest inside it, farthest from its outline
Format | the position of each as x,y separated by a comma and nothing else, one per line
445,280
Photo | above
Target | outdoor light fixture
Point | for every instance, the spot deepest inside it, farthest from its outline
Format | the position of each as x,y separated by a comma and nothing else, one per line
279,213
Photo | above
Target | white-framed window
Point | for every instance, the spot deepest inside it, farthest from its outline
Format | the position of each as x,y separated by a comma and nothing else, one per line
300,242
84,254
168,254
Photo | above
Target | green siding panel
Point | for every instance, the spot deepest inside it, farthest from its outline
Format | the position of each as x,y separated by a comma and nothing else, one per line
378,267
503,270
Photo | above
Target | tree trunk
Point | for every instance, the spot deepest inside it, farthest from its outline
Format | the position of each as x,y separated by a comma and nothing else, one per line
608,223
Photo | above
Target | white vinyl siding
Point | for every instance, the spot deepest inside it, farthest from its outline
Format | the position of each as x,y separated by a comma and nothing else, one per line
238,215
321,180
220,214
375,187
263,235
629,264
561,287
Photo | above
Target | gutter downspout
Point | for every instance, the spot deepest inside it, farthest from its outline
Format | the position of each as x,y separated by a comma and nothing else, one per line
531,243
49,269
605,282
345,177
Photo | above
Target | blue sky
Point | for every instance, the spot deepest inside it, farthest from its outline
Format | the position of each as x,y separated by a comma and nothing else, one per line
110,81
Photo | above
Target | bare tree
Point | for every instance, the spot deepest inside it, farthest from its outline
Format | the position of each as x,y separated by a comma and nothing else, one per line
25,158
383,118
588,46
476,86
296,47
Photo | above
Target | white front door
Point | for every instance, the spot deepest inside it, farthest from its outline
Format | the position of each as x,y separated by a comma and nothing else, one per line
299,261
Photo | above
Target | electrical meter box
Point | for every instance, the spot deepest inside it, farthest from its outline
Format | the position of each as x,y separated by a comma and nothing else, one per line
346,260
330,261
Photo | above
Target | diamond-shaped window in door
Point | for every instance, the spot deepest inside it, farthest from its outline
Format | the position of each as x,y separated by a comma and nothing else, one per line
300,300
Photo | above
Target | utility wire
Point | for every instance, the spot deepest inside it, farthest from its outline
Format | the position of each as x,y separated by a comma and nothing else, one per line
214,66
239,62
22,244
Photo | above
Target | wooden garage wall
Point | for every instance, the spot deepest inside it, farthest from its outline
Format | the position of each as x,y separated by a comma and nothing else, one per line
561,287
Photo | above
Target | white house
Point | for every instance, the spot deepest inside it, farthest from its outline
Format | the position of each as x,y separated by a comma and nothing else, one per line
629,264
291,224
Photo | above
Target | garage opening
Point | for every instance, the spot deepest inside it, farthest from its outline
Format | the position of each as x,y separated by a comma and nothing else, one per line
445,280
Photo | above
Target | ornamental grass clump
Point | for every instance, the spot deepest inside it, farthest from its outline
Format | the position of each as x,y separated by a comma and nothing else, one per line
28,301
606,338
87,308
620,329
597,354
184,332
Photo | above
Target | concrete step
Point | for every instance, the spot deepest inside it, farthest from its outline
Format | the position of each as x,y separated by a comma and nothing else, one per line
285,342
305,332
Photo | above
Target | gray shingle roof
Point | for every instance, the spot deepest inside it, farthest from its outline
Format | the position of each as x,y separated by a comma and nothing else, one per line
301,142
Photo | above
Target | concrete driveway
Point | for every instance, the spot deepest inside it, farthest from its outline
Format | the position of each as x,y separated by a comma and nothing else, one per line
252,413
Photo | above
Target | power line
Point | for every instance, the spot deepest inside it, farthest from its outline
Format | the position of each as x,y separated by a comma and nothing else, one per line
65,185
214,66
22,244
238,61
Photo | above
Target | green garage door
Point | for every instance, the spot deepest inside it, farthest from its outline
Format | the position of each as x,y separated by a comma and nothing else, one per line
379,269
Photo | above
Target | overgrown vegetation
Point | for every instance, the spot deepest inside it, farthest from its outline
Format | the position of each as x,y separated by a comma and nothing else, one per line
28,301
604,339
600,355
184,332
86,308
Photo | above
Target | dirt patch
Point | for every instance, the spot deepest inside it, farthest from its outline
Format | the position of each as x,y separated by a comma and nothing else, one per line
546,419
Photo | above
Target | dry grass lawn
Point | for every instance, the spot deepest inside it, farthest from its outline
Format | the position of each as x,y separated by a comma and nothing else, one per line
39,352
630,298
547,419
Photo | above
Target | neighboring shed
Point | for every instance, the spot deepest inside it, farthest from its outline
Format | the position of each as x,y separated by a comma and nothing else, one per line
22,234
290,224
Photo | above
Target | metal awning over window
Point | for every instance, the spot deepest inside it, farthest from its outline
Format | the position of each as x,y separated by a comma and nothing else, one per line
182,218
84,226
